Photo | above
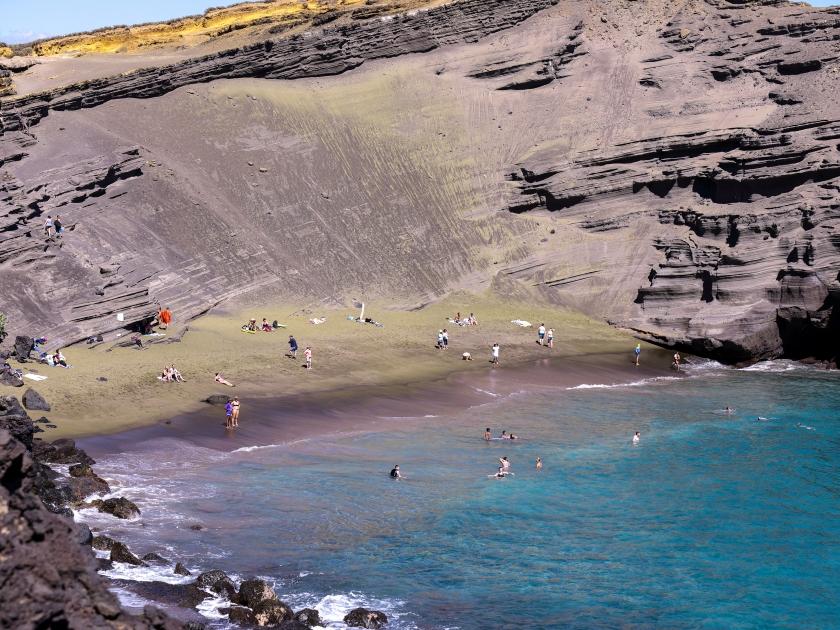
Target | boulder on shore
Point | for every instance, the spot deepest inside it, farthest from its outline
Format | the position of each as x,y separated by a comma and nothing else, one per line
23,347
308,617
33,401
15,420
102,543
61,451
252,592
153,557
10,381
269,613
364,618
81,470
85,535
120,553
217,399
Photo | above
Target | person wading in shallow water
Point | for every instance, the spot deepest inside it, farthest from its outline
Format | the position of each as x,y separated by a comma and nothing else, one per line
235,411
395,472
228,414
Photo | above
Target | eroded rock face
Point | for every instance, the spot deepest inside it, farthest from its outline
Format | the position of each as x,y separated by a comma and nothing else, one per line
41,548
15,420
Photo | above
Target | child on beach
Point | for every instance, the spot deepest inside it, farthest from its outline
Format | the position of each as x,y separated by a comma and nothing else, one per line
638,352
495,354
550,337
308,354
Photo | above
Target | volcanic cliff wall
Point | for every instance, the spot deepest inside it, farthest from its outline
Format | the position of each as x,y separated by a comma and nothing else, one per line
670,166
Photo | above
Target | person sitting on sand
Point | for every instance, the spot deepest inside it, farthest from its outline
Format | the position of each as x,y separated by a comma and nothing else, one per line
59,359
252,325
222,381
165,375
176,375
487,435
472,321
458,318
467,356
266,326
504,462
395,472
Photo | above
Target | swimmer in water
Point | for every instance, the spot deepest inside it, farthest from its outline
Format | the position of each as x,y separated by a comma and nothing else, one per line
487,435
501,474
728,410
505,436
539,463
514,437
762,418
637,437
395,472
504,462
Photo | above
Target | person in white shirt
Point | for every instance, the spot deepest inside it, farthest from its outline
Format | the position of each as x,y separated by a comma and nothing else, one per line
496,353
636,437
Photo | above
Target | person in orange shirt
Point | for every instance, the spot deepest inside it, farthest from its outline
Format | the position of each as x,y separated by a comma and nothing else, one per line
164,317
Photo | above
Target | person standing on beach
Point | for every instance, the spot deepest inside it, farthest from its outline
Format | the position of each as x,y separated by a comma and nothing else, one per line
440,340
445,339
234,411
48,227
541,333
638,352
164,317
292,346
308,354
550,337
677,360
496,354
229,414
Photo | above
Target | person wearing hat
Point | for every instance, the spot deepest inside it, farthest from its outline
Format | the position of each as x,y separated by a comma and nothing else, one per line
638,352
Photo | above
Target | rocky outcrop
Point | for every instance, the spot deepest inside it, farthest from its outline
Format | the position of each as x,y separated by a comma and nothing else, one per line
49,579
252,592
33,401
308,617
15,420
119,507
61,451
121,553
363,618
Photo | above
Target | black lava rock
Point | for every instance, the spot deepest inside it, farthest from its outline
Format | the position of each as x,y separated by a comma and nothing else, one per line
363,618
33,401
85,535
180,569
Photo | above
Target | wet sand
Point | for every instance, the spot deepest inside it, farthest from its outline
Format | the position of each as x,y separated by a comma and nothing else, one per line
282,420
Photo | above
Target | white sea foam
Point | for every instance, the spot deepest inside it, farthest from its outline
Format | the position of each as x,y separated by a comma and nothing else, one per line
641,383
779,365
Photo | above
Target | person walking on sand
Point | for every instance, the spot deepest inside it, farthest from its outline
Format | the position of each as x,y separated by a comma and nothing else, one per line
308,354
638,352
292,347
58,225
229,414
550,337
541,333
234,411
164,317
445,339
495,354
539,463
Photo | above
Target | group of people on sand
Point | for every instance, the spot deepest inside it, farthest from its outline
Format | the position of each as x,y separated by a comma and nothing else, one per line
172,375
232,412
467,321
57,359
546,337
252,325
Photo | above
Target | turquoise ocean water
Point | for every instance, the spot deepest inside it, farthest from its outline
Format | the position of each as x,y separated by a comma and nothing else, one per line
714,520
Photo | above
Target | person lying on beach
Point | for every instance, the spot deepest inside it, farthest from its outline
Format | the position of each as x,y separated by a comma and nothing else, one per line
504,462
395,472
266,326
487,435
222,381
467,356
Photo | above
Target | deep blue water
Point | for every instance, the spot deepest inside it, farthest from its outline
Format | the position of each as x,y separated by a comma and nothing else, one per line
713,520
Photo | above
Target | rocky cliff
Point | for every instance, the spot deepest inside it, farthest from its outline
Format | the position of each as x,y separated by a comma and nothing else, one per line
671,167
47,579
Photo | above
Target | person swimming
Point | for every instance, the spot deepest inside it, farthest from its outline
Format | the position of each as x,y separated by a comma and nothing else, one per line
762,418
539,463
505,435
637,437
487,435
728,410
514,437
501,474
504,462
395,472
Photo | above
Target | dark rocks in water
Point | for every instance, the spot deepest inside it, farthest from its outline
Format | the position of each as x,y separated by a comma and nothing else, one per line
209,579
119,507
292,624
85,535
252,592
308,617
181,595
62,451
83,487
198,528
104,564
120,553
23,347
269,613
217,399
81,470
103,543
153,557
180,569
194,625
33,401
15,420
10,381
363,618
49,580
241,616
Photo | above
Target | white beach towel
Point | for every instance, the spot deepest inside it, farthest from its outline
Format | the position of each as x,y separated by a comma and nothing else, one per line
520,322
35,377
